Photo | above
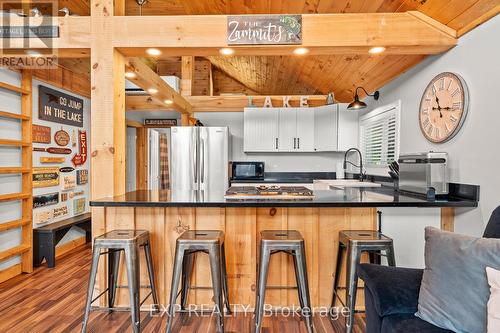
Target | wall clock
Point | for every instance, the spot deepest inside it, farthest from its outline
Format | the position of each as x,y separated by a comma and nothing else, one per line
443,107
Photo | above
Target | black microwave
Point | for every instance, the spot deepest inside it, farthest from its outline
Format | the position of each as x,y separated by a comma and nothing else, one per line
247,170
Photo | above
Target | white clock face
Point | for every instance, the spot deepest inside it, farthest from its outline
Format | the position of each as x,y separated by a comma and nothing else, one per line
443,107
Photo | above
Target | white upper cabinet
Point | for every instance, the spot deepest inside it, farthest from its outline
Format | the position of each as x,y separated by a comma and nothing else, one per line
304,129
348,136
261,129
325,128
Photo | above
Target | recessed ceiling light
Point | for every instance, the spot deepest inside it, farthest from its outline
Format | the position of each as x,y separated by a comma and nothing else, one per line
301,51
376,50
226,51
33,53
152,90
153,52
130,75
168,101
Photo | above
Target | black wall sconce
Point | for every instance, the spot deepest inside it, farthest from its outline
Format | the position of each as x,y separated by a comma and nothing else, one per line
357,104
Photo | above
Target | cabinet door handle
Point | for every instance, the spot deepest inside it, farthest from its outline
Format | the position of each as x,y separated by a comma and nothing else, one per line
298,143
276,143
294,143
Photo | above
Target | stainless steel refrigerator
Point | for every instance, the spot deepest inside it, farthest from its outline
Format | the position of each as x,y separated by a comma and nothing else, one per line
199,158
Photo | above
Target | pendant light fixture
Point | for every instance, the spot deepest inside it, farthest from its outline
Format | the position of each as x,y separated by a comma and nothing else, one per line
358,104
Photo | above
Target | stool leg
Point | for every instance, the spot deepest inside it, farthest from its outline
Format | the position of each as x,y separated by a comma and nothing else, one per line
149,263
391,260
215,267
187,267
265,255
304,288
353,259
133,270
224,279
90,290
337,273
176,276
113,266
301,301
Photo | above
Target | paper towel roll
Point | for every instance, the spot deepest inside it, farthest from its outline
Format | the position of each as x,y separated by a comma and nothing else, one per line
339,172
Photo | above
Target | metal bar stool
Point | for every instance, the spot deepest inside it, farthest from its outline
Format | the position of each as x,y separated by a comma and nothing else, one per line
356,242
291,242
189,243
116,241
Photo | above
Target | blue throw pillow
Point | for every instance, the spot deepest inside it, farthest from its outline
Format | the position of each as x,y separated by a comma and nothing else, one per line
454,292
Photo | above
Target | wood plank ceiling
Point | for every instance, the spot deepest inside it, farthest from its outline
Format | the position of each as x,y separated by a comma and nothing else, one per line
315,74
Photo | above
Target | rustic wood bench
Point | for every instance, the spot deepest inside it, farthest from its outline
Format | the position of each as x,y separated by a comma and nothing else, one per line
46,238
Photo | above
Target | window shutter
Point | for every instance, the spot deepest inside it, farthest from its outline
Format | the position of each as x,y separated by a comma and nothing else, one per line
379,136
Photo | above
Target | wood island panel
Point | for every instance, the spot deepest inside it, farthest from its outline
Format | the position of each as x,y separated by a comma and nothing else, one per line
242,226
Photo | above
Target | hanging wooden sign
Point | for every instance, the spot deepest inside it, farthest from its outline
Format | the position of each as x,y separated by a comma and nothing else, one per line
66,169
60,212
79,206
75,194
64,196
45,177
81,157
264,29
44,216
54,150
160,123
61,137
41,134
69,182
82,177
47,159
59,107
45,199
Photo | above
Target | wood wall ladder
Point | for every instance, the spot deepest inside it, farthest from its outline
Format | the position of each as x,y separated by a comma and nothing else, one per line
25,248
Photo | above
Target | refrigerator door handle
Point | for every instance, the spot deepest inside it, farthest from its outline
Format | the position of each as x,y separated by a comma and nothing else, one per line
195,166
202,155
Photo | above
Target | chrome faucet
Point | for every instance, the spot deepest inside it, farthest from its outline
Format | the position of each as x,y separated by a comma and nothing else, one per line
360,166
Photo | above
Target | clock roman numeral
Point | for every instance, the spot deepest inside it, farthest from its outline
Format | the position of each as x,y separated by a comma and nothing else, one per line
447,129
436,133
453,118
449,84
457,105
433,90
456,91
441,84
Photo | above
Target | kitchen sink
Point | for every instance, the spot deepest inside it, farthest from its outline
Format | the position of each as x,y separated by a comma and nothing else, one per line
327,184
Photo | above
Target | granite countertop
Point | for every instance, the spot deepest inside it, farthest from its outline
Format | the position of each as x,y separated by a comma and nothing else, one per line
348,197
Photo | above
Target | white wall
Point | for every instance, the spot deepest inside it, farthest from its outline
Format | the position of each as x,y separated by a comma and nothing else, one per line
474,153
274,162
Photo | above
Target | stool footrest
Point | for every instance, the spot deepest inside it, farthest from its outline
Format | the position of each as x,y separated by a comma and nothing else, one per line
282,287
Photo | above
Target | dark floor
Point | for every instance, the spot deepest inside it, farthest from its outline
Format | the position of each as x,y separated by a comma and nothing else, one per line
52,300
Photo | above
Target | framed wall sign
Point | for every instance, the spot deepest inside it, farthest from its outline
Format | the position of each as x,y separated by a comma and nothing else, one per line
69,182
42,217
81,157
64,196
76,194
49,159
264,29
53,150
79,206
45,199
82,176
60,212
61,137
66,169
45,177
59,107
41,134
160,122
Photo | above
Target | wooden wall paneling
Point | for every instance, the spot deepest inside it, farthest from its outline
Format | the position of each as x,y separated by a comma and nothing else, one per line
142,146
201,77
305,220
177,220
206,219
241,260
273,219
27,203
476,15
154,220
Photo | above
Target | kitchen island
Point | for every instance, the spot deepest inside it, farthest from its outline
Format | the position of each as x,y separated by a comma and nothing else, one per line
167,214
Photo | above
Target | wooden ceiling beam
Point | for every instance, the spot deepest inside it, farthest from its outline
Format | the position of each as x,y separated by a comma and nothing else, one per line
146,79
204,35
216,103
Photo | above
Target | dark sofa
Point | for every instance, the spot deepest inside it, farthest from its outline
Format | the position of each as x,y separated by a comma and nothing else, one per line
391,294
